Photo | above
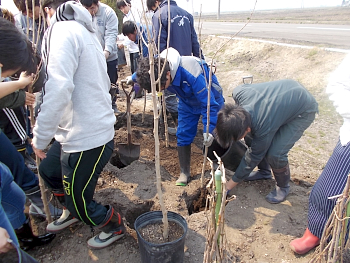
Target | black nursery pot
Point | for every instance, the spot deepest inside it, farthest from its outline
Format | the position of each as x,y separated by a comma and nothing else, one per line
170,252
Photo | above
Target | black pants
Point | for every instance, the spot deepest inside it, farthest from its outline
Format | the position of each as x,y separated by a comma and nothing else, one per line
113,76
76,175
134,58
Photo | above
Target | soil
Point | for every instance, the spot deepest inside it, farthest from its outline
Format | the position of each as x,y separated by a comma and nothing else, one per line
153,233
256,231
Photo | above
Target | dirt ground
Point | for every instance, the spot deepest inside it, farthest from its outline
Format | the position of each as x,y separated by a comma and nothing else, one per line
256,231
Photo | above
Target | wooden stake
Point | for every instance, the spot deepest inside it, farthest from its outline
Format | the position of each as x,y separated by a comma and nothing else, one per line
31,110
43,193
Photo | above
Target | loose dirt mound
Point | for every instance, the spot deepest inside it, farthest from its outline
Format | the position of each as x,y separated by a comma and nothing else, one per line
256,230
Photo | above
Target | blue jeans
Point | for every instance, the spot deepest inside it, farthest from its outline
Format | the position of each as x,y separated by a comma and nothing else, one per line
12,200
23,177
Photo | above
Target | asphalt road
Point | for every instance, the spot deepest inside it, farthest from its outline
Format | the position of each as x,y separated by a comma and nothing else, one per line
332,36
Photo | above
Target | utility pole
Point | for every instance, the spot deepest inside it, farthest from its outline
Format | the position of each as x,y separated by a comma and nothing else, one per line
192,8
218,16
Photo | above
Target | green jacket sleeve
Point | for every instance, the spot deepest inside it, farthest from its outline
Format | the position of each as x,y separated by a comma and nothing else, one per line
13,100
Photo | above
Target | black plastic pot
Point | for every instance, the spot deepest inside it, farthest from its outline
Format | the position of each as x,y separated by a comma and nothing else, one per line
170,252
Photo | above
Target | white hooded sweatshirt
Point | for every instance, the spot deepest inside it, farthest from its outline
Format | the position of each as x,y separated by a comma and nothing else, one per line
76,108
338,90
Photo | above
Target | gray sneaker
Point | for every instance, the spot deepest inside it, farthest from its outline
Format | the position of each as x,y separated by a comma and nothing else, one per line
172,131
29,162
37,211
63,222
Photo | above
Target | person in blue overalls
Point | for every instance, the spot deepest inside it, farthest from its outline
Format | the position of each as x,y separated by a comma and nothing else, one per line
187,77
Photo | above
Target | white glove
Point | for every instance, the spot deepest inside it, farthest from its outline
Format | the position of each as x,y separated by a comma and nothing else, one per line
208,140
129,80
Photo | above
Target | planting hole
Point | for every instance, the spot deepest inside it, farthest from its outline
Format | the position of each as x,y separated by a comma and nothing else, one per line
115,160
136,211
196,203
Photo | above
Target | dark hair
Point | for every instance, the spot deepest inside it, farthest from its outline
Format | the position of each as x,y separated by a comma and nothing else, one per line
54,4
16,52
129,27
150,4
21,5
142,73
89,3
232,123
121,3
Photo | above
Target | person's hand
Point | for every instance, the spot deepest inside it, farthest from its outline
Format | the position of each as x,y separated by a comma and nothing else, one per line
129,80
120,46
40,153
208,139
5,246
30,99
106,53
25,80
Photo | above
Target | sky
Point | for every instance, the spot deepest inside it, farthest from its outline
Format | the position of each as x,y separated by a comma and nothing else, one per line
211,6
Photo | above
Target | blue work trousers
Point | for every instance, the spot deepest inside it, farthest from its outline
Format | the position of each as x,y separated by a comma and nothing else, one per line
12,200
23,177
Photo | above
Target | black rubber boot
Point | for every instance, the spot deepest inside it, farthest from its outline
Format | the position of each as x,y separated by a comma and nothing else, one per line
264,172
282,177
28,240
37,206
113,229
184,153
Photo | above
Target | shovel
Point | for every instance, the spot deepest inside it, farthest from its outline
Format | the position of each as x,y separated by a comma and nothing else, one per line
128,152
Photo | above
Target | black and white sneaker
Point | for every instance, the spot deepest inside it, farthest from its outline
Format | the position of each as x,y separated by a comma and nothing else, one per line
103,239
63,222
29,162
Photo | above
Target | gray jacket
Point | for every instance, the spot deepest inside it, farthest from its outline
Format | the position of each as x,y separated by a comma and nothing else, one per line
76,107
270,105
106,25
21,24
13,100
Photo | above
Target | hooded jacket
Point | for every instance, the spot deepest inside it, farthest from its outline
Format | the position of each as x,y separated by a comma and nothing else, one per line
106,24
76,107
183,36
338,90
189,78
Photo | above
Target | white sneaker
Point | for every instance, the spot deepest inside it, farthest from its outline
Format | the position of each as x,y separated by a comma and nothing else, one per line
103,239
63,222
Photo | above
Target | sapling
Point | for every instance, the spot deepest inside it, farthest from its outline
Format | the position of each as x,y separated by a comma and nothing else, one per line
35,41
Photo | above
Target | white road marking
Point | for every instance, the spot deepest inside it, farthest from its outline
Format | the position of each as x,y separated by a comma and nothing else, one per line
226,24
324,28
284,44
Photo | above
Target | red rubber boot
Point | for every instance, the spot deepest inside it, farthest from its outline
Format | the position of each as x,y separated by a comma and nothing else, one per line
303,245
